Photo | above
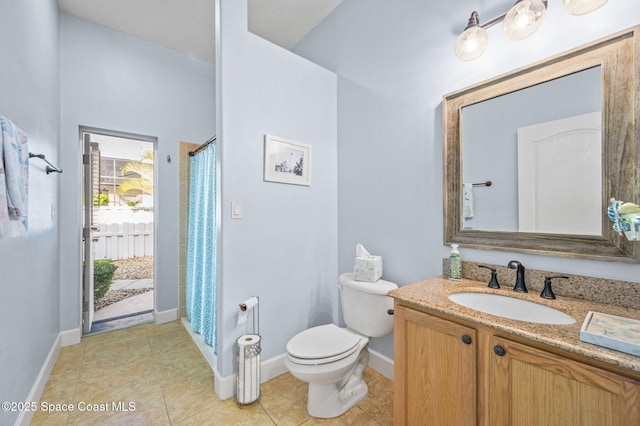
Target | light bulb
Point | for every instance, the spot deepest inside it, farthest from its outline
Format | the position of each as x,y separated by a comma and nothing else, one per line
473,40
580,7
524,19
471,43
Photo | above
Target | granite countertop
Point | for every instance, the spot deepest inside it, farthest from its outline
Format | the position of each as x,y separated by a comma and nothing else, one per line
432,294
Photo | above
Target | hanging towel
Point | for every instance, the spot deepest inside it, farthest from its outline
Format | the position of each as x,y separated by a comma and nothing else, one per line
467,200
4,209
14,180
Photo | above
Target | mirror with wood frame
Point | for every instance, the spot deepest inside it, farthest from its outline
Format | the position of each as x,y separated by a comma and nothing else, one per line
616,60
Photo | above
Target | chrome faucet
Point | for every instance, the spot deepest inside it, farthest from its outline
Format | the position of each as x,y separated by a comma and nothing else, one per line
520,286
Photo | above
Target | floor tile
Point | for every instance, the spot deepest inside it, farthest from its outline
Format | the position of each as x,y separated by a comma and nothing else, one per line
188,397
355,416
57,418
229,413
379,402
155,375
284,398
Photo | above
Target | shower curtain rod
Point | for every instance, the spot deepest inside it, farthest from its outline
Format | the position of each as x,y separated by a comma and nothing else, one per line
202,147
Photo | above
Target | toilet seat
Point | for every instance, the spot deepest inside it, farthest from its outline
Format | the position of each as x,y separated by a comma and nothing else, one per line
322,345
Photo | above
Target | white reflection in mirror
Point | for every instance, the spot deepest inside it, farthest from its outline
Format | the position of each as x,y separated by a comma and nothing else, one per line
566,159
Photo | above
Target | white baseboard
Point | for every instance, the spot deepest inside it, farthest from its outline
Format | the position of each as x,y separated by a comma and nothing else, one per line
162,317
225,387
24,418
272,367
70,337
381,364
206,350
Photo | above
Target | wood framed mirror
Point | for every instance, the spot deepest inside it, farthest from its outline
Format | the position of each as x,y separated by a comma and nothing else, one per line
614,61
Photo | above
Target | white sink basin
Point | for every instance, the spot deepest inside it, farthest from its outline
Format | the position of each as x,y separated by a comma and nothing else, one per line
510,307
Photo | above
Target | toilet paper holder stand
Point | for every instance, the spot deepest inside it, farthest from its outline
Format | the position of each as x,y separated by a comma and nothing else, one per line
249,378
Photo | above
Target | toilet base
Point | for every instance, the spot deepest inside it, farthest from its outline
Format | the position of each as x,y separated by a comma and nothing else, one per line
327,400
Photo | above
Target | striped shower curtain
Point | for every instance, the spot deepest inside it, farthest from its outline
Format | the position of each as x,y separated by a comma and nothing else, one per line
201,246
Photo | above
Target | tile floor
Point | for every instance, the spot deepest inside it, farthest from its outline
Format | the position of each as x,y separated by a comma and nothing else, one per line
160,369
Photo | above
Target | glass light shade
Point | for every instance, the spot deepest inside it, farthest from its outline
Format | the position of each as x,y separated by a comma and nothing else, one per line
580,7
524,19
471,43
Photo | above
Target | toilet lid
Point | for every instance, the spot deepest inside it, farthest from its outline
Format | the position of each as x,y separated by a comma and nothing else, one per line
322,342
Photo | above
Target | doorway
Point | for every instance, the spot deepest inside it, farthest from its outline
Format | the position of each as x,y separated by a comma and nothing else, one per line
118,229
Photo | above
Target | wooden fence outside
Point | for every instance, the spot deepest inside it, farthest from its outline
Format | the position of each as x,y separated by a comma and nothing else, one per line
123,240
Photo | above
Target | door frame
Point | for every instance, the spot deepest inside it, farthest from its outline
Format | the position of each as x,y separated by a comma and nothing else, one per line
88,284
125,135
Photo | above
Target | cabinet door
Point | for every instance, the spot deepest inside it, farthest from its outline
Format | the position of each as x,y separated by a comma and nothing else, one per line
534,387
435,371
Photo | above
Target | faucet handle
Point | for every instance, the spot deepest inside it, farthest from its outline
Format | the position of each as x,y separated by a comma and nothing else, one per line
547,292
493,283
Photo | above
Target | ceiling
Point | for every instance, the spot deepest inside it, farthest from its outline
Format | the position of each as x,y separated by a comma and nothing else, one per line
187,26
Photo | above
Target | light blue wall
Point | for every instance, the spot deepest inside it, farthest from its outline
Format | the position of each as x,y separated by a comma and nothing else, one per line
114,81
29,96
395,61
284,249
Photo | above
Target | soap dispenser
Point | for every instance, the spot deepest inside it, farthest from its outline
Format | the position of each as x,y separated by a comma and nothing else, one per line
455,264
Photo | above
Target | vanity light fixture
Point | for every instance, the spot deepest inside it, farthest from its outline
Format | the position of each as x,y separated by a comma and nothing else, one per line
580,7
522,20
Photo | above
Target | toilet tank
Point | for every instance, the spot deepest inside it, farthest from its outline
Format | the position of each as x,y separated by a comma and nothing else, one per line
365,305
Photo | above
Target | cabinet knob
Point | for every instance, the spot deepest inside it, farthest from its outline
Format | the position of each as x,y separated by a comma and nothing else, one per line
499,350
466,340
389,311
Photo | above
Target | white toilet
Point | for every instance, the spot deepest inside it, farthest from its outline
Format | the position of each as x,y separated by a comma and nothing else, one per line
331,358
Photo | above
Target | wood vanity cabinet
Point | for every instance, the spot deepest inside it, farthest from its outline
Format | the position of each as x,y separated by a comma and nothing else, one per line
536,387
434,371
445,378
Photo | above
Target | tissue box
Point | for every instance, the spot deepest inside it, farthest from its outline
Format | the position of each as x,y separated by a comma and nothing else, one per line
367,269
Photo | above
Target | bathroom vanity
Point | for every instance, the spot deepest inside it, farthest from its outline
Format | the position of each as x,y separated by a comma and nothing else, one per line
455,365
458,366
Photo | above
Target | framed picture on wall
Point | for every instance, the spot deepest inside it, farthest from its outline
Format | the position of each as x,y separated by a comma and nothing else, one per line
286,161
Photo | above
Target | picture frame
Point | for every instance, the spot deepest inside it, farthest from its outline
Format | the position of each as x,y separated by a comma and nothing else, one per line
286,161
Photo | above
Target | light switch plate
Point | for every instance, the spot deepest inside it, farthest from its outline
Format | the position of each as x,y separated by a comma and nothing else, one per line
236,210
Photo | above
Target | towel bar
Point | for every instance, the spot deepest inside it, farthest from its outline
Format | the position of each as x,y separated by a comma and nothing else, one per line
50,168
